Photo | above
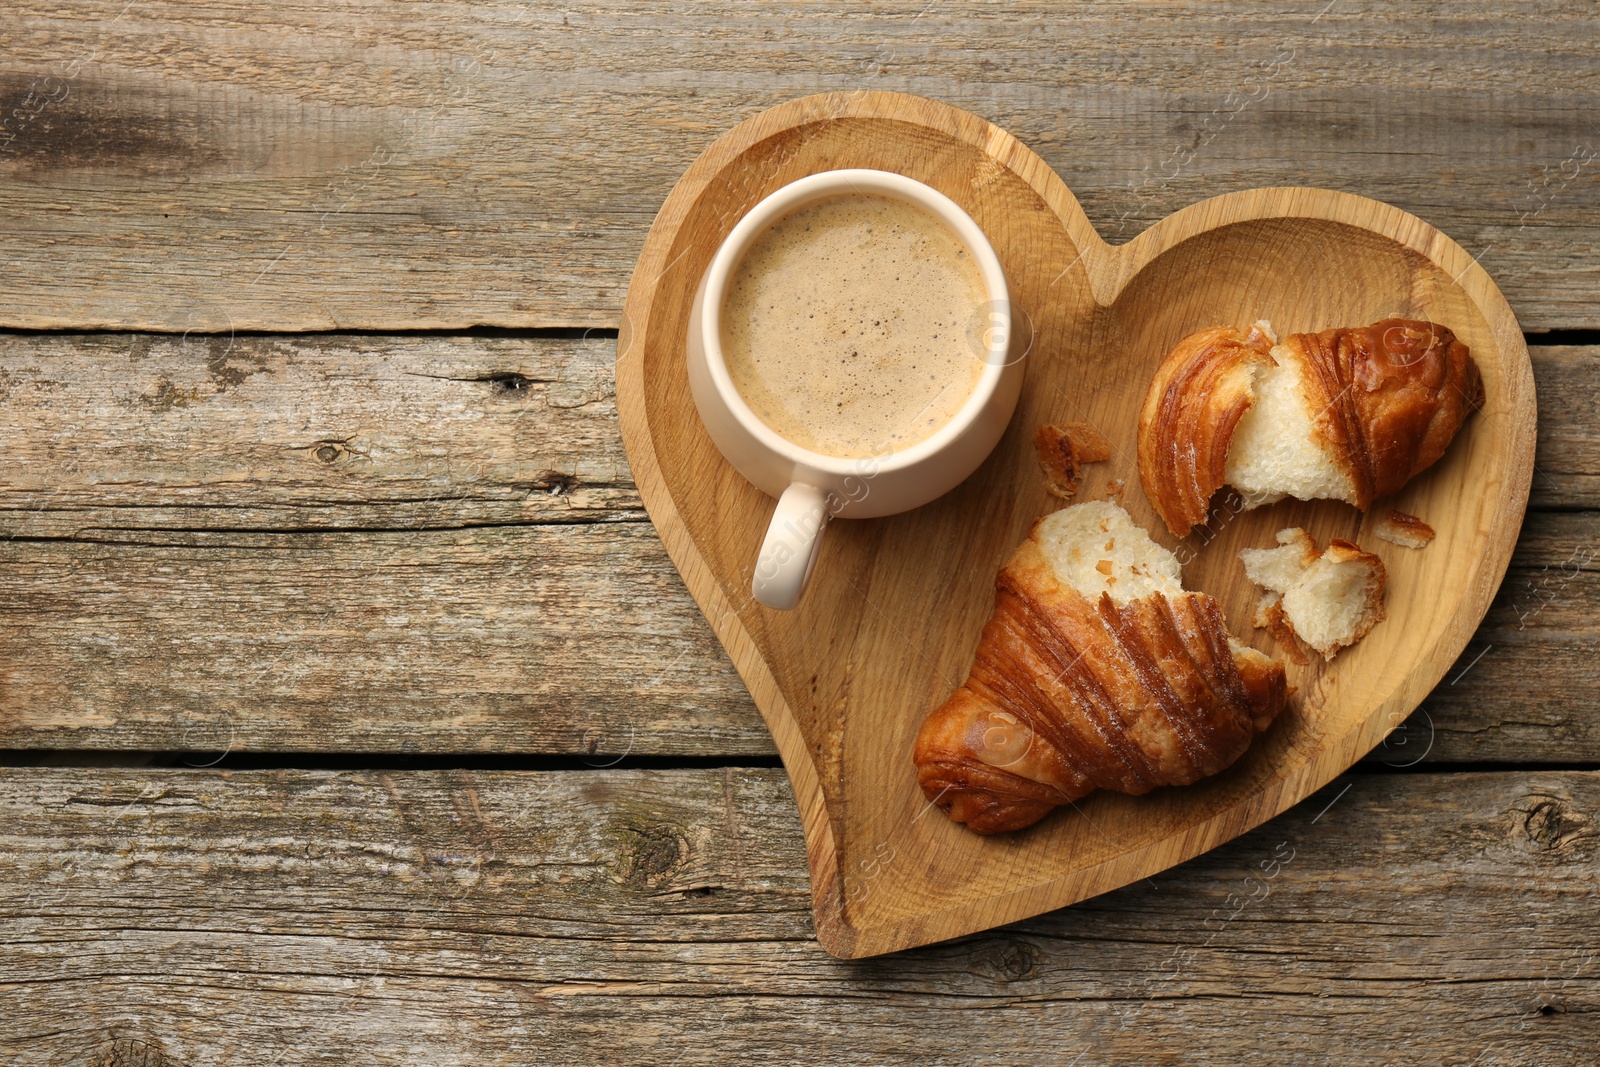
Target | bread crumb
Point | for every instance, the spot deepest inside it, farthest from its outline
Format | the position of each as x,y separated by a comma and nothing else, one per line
1270,617
1327,600
1408,531
1063,449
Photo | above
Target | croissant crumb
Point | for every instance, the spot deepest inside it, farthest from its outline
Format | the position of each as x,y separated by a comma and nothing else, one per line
1063,449
1327,600
1408,531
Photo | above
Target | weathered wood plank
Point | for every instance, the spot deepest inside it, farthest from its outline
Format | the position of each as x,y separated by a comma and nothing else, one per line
1566,471
662,917
287,165
183,569
118,432
571,639
140,431
564,639
1527,682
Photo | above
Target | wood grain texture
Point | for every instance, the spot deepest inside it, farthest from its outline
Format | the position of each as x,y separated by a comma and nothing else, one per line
1526,681
661,917
284,433
844,680
1566,467
508,640
529,638
141,449
288,165
356,431
215,542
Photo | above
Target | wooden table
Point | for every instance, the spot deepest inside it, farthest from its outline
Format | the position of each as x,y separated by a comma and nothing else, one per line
352,710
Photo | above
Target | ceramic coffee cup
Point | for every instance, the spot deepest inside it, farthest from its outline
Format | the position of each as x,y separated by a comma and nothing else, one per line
813,488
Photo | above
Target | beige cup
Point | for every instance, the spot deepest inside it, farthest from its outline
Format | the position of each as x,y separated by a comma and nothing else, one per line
813,488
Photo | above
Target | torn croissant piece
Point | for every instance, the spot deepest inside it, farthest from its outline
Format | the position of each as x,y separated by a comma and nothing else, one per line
1347,414
1063,449
1408,531
1329,600
1194,404
1096,671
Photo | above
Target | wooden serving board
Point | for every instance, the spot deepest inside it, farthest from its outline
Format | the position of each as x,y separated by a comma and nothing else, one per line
891,621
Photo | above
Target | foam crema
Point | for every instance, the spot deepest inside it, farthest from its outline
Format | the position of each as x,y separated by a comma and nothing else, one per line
846,325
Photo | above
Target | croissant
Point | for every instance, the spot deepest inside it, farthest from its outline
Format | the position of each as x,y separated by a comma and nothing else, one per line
1096,671
1347,414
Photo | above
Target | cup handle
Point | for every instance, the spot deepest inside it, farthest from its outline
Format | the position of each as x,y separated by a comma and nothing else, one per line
789,551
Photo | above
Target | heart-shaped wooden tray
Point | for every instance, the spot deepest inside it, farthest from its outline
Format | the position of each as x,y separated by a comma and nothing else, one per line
891,621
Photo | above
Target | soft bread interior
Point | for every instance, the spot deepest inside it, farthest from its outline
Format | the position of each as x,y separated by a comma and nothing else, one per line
1329,599
1332,605
1276,569
1095,547
1276,451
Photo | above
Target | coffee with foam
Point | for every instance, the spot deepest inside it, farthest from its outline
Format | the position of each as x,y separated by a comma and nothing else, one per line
846,328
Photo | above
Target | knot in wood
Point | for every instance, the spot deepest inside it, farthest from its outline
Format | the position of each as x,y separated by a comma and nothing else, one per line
510,384
555,483
128,1051
1008,960
652,854
1552,825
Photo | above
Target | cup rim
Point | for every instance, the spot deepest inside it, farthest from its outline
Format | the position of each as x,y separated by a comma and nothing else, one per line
819,186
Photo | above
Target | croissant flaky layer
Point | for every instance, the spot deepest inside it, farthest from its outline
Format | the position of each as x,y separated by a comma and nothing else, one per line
1351,414
1194,404
1070,693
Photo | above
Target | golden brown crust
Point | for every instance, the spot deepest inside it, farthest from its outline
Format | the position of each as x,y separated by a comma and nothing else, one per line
1386,399
1067,696
1194,403
1267,688
1399,528
1390,398
1063,449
